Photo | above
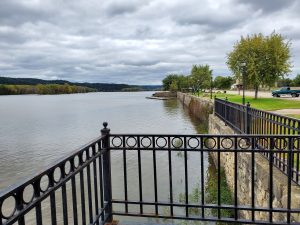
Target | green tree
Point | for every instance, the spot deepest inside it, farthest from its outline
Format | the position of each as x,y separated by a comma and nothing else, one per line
223,82
267,59
174,82
200,77
296,81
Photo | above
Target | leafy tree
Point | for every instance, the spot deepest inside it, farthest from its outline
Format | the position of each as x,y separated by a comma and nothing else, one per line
174,82
296,81
200,77
223,82
285,82
267,59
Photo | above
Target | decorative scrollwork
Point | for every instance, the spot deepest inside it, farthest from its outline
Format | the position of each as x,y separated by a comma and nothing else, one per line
28,194
280,143
262,143
193,143
209,143
227,143
116,142
244,143
161,142
146,142
131,142
177,142
9,207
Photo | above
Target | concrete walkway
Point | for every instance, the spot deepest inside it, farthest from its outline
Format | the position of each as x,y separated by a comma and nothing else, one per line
287,111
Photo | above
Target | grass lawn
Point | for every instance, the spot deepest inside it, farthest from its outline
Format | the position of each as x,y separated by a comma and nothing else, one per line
268,104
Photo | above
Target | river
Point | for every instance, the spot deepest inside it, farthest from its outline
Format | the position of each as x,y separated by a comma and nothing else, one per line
38,129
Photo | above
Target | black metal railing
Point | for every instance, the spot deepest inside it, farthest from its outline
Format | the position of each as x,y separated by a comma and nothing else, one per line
122,175
246,120
76,188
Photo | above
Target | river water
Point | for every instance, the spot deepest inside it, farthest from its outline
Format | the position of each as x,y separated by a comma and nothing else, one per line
38,129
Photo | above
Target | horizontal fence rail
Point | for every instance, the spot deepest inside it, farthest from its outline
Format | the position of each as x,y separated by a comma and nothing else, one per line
140,175
246,120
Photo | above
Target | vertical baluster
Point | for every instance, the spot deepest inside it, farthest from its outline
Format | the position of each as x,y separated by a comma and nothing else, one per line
235,167
170,175
52,200
64,197
289,173
19,206
95,184
271,179
89,186
297,141
280,143
101,183
1,216
186,179
125,175
82,192
202,178
140,175
74,196
38,208
253,177
155,176
219,177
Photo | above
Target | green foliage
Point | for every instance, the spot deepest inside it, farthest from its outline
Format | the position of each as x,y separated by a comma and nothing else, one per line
174,82
97,86
223,82
212,190
200,77
42,89
267,59
296,81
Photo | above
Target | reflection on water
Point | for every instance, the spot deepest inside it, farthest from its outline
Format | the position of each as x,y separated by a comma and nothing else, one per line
44,128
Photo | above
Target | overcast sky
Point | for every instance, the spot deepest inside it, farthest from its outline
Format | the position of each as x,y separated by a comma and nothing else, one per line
133,41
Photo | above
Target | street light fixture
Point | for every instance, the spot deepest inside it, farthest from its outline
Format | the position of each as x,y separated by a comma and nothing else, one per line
243,65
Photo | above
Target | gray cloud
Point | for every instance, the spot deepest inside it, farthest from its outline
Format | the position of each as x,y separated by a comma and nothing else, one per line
268,5
133,41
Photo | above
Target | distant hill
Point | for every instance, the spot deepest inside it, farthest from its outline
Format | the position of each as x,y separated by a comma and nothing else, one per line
105,87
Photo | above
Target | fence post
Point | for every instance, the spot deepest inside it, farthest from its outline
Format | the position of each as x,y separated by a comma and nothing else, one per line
247,119
225,109
107,173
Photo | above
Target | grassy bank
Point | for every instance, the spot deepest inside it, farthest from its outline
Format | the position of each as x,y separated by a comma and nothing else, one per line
268,104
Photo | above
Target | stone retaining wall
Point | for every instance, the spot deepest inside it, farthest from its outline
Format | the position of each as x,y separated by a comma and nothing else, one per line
199,107
216,126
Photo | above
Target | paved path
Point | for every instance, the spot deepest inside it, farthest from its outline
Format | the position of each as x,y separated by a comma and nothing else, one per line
287,111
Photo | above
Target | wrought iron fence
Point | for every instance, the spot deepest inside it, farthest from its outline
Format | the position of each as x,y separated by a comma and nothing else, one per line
74,187
244,119
247,120
89,173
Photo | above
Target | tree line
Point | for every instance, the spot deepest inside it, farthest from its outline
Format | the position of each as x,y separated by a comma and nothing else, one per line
43,89
199,79
98,86
256,61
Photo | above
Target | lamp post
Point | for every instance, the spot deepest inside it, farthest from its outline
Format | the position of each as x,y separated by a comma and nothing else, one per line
243,65
211,86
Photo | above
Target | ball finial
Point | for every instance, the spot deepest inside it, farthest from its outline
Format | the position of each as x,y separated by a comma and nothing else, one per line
105,124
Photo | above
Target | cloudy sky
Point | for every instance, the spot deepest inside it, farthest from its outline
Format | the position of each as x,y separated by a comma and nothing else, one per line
133,41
